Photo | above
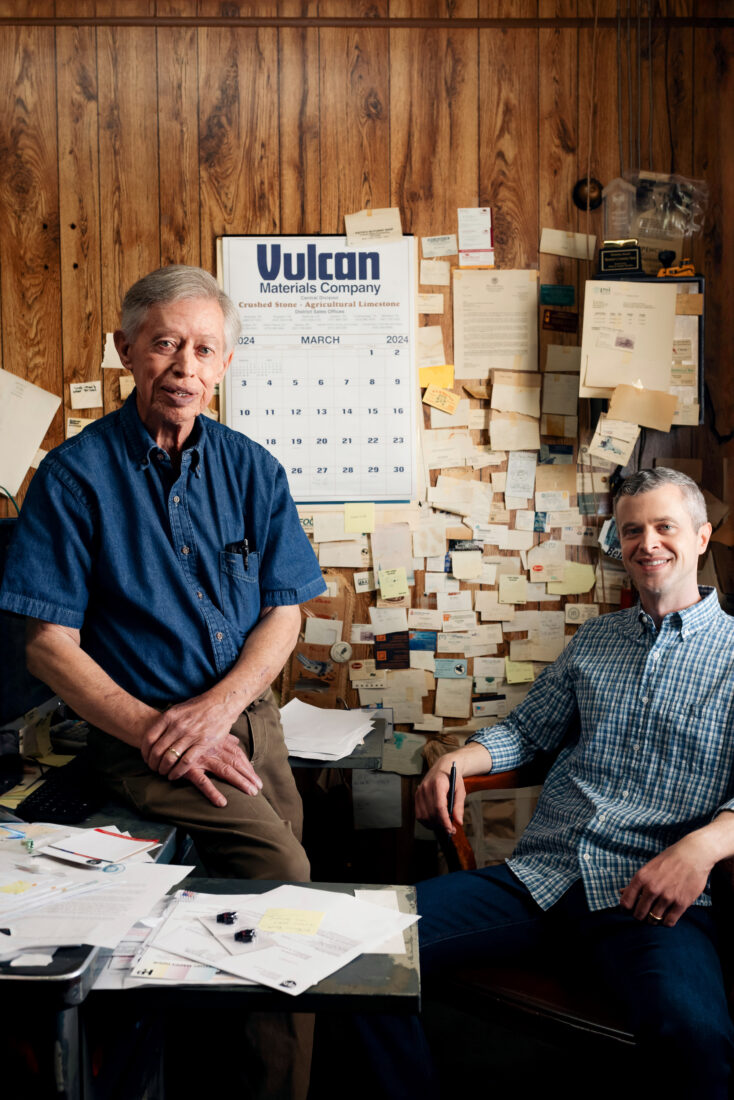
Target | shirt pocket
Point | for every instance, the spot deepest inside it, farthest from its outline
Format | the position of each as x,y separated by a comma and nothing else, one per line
239,589
708,746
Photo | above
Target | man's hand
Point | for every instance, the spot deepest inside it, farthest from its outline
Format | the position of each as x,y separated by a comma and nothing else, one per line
432,797
667,885
193,738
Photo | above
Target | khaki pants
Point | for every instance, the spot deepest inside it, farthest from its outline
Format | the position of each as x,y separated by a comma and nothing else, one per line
252,837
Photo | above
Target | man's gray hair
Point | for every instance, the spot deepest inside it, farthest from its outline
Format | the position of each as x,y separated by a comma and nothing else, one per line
171,284
644,481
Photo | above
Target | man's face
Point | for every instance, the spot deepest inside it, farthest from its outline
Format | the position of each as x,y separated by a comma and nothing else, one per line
176,359
660,547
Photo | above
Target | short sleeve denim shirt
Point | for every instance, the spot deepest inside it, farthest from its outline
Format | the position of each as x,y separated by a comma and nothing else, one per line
112,542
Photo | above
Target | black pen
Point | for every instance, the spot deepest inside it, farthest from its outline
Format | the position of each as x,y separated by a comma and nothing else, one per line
452,789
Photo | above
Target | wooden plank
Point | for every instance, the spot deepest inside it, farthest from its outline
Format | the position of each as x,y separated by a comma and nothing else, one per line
238,134
298,120
128,163
354,117
713,161
77,105
557,151
508,137
30,292
178,139
434,84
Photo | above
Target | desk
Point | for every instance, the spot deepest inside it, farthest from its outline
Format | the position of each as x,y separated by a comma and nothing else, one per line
41,1003
167,1016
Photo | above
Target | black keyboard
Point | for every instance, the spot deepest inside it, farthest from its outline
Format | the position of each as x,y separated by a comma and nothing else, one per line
67,795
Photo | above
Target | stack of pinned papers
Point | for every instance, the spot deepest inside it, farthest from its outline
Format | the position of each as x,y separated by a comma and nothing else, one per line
322,734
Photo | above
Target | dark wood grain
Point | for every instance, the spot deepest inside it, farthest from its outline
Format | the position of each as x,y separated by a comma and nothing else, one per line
298,121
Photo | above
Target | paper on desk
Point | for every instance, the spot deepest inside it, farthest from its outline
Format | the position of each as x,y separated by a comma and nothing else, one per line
314,732
101,918
388,899
495,322
26,411
288,962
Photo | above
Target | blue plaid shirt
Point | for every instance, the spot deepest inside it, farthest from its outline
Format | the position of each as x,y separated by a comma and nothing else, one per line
650,756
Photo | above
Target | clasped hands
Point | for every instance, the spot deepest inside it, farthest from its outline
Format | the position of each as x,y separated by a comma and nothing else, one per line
193,738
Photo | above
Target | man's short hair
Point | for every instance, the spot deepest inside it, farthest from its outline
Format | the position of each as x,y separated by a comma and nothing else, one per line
644,481
171,284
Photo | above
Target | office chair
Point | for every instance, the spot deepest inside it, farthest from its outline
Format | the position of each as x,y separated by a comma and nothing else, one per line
546,998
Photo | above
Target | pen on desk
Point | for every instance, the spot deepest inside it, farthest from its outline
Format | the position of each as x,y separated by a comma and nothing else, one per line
452,789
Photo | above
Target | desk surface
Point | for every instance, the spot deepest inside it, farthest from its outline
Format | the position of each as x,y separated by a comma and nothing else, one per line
370,983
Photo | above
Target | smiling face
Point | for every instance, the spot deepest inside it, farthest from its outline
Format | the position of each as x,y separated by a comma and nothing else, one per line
661,548
176,358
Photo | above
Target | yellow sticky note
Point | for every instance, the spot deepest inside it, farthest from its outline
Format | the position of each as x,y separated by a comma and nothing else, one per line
393,583
513,588
301,922
577,578
359,519
518,672
437,376
445,400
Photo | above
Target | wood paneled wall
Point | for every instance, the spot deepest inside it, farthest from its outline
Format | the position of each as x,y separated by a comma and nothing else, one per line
133,132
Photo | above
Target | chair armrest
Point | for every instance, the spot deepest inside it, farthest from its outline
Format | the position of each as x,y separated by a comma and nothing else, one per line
456,848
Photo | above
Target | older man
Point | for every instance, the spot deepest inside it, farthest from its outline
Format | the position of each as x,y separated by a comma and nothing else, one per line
635,812
160,561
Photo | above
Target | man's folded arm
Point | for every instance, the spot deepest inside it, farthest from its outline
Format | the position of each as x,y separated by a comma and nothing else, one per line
198,728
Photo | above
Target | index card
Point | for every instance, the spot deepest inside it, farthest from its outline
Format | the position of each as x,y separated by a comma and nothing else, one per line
85,395
110,358
354,553
509,431
430,351
329,527
26,412
458,419
393,583
648,408
577,578
563,357
424,618
438,398
444,245
580,612
560,478
453,698
613,440
518,393
560,394
364,582
466,564
442,375
513,588
359,518
577,246
429,303
323,631
520,480
76,424
388,620
435,273
367,226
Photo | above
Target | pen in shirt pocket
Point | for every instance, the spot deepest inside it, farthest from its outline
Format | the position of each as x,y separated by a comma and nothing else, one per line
242,547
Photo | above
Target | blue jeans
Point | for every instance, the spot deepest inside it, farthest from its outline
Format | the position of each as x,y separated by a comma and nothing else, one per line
668,980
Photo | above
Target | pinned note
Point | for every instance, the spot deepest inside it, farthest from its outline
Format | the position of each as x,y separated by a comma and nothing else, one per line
85,395
393,583
518,672
442,399
442,375
359,519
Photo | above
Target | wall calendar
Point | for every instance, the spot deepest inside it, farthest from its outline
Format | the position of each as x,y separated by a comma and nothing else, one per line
324,374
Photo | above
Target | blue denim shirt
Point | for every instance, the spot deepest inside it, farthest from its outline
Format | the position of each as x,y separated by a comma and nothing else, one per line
112,542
